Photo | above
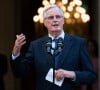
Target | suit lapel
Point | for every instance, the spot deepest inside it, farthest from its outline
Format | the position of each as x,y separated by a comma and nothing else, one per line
67,45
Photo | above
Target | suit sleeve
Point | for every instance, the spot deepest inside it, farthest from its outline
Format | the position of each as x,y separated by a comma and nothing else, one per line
87,74
23,65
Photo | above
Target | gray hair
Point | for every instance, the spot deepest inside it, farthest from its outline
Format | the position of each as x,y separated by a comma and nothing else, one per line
49,7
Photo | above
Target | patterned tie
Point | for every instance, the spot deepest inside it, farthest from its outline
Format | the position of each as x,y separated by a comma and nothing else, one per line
55,47
56,53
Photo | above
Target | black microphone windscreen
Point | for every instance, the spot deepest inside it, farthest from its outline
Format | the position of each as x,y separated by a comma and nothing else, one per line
49,45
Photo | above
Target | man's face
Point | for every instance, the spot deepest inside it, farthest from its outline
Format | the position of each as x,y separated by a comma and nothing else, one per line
54,20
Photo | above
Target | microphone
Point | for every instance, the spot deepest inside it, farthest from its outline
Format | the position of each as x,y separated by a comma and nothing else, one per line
60,44
49,45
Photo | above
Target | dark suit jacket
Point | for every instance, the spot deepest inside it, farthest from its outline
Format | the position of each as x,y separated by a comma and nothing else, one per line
74,57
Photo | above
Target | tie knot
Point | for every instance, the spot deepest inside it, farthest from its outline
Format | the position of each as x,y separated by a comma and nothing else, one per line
55,40
59,40
55,43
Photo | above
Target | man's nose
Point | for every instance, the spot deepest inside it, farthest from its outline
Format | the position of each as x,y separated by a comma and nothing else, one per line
54,18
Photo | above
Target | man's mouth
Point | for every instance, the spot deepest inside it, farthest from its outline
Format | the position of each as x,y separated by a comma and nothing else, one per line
55,25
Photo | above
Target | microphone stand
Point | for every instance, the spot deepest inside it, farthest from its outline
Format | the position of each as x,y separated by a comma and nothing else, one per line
49,47
54,55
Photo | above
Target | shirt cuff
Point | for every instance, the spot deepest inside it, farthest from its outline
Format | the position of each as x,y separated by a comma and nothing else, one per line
74,78
14,57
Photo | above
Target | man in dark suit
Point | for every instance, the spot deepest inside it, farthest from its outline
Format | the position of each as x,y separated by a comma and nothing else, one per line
74,66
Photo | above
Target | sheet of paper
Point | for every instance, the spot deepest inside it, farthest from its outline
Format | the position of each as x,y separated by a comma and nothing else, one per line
49,77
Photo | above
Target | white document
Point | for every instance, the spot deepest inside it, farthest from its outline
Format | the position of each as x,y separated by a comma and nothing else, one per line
49,77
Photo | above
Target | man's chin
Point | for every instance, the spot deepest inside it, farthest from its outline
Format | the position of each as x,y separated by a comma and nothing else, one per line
56,29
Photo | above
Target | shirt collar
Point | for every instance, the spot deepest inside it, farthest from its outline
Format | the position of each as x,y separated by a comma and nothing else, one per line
60,36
